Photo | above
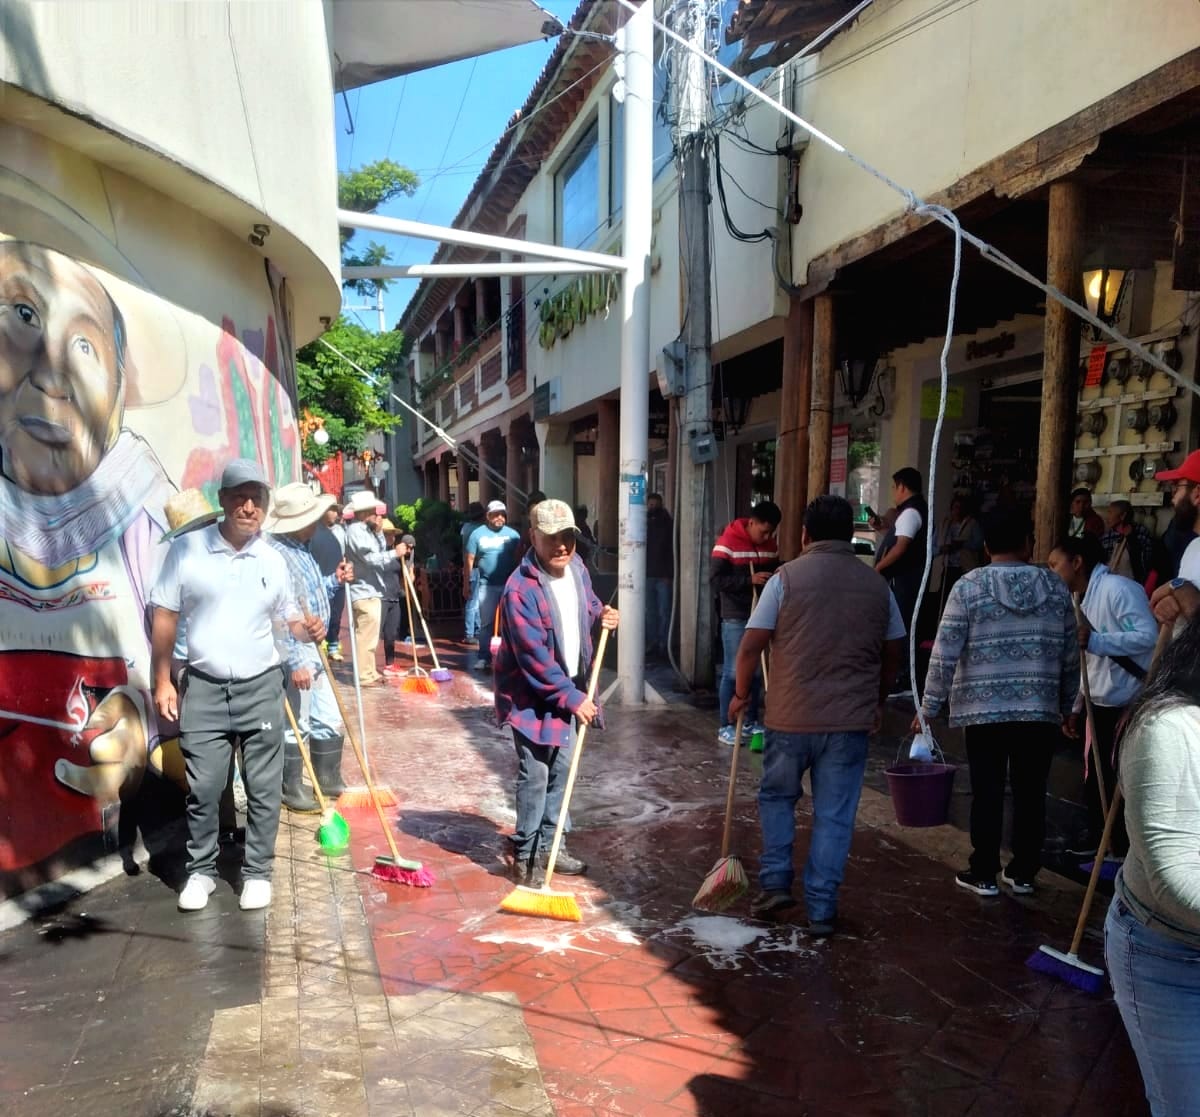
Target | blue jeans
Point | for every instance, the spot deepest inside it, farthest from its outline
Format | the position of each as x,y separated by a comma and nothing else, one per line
487,601
541,782
471,613
1156,984
316,709
836,762
731,636
337,605
658,613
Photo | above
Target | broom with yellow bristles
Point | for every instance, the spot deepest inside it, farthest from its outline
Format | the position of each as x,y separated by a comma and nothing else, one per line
544,902
726,881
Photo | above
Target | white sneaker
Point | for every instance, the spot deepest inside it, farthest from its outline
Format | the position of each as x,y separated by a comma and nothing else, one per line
196,892
255,894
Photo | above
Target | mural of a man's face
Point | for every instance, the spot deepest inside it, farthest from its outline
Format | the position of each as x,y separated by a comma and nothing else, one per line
61,369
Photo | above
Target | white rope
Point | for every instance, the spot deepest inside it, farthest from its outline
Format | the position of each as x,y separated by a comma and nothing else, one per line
941,214
944,363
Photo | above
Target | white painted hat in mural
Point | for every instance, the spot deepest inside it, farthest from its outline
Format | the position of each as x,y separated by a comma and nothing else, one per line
155,355
296,506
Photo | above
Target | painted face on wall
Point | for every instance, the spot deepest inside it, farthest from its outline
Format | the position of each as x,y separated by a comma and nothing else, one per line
61,369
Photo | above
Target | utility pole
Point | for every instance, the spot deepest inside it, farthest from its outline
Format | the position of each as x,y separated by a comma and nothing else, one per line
636,239
693,513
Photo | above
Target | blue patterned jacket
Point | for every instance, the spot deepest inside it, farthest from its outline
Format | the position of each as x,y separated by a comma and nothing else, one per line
534,693
1006,648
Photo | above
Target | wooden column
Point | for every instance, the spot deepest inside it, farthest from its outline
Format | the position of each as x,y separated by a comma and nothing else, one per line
672,455
608,468
820,427
487,458
444,478
464,483
513,471
791,454
1056,435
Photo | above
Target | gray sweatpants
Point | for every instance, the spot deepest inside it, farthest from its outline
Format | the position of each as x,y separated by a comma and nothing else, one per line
214,717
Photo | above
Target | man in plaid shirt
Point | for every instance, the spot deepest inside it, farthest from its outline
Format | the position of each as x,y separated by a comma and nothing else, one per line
547,612
293,521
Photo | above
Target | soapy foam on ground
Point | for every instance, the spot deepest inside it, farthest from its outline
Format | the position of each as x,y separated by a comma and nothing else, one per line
726,942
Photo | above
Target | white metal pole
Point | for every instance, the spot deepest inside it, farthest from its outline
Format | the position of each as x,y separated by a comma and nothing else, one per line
638,108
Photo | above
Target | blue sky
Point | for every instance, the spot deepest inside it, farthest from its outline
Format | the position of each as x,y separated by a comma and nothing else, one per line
447,156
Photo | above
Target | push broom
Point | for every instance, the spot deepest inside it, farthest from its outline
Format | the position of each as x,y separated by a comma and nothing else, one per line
333,833
544,902
726,881
1068,967
416,678
351,797
439,674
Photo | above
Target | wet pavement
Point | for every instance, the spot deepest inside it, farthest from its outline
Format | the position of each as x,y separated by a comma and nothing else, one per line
358,997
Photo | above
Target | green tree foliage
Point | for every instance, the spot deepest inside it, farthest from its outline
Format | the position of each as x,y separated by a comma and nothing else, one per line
351,407
436,527
364,190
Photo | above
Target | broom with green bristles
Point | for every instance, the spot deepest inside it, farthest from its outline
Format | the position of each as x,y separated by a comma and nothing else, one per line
334,831
544,902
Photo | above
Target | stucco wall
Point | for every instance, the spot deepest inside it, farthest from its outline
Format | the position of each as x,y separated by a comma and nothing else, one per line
141,348
931,100
224,104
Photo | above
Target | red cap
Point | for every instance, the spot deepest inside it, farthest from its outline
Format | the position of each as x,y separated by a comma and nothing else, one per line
1189,471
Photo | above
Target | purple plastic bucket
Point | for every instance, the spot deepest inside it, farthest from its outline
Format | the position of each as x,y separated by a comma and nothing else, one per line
921,793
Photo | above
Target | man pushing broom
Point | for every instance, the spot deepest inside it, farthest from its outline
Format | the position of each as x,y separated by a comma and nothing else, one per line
547,612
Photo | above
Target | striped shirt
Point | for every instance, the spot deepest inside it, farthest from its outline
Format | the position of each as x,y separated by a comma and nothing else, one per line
311,589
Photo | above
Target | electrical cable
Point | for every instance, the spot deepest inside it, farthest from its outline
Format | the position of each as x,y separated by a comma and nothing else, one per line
730,227
396,117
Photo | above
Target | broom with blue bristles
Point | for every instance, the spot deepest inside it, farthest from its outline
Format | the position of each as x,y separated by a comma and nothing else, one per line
1068,967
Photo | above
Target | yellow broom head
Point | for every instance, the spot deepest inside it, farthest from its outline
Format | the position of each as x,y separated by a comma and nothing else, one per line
725,884
542,903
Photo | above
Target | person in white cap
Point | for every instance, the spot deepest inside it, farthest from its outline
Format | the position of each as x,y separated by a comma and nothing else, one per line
372,559
296,516
233,591
547,612
493,552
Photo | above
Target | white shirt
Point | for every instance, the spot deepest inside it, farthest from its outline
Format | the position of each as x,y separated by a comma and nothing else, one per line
566,599
232,602
1189,565
908,524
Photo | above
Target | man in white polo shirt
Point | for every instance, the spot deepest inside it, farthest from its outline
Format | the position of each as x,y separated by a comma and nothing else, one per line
233,591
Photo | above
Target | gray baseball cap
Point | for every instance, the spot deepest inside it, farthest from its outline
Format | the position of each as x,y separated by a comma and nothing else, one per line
243,471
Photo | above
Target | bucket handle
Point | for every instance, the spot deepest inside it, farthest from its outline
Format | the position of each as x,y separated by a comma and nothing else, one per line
902,754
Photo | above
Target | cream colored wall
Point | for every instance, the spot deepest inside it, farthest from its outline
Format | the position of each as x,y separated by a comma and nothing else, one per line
942,98
229,102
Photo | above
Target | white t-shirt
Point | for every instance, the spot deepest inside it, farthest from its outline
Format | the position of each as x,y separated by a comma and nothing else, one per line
1189,565
908,524
566,599
232,602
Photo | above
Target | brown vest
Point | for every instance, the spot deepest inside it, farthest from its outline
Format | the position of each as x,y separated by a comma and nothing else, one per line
826,650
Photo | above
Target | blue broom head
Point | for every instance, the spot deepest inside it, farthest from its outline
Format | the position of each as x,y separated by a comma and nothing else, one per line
440,675
1108,870
1068,969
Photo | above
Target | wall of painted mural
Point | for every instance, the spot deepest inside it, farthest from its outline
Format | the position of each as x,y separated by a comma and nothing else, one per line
141,348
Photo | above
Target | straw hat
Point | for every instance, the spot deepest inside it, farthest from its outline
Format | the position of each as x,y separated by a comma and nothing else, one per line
296,507
186,510
386,525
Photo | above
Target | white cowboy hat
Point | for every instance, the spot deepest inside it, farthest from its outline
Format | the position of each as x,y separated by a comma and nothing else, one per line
295,507
363,501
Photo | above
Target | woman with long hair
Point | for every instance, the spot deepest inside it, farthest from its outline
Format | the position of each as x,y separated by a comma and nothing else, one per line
1152,934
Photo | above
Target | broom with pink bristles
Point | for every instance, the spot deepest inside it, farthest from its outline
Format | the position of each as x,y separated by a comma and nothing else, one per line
726,881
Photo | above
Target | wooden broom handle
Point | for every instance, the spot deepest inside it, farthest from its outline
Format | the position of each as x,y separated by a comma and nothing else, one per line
421,616
287,706
412,632
727,833
1089,712
579,739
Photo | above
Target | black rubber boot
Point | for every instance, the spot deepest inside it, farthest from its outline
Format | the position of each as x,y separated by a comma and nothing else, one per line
296,797
327,763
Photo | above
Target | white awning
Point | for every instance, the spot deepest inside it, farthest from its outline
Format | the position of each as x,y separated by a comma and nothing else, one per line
378,39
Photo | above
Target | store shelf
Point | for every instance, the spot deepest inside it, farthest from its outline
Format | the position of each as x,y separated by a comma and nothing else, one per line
1123,450
1132,397
1140,500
